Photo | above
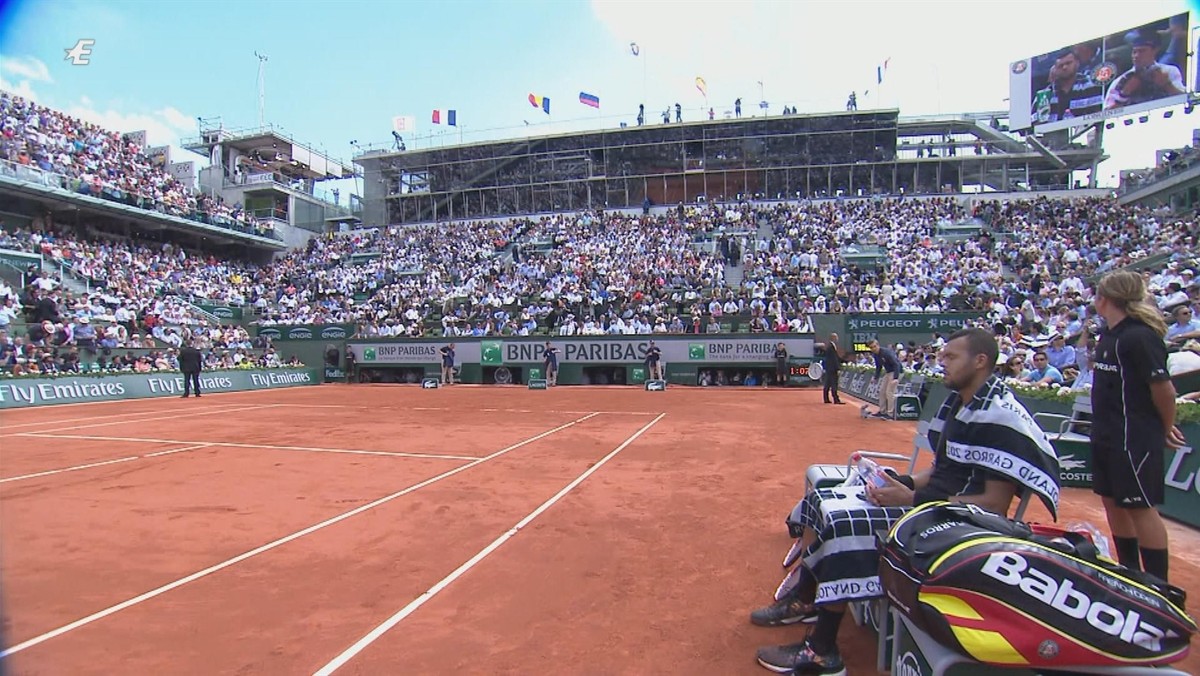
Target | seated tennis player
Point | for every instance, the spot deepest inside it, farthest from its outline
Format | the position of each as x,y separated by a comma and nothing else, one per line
988,450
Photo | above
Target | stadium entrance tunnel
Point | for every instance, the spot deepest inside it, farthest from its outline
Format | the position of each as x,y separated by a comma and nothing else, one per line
603,375
396,375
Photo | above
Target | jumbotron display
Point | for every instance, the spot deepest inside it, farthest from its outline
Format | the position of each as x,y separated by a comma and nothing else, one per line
1126,72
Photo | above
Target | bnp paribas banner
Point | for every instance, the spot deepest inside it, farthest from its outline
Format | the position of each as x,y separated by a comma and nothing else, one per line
632,350
588,350
307,332
411,352
22,392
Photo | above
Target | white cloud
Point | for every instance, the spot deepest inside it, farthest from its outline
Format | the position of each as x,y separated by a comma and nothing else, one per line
26,67
21,88
812,54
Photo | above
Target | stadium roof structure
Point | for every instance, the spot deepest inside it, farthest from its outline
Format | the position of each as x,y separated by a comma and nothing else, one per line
840,154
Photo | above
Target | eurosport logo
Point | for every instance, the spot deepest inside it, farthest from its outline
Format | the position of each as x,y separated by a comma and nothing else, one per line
333,332
81,53
299,334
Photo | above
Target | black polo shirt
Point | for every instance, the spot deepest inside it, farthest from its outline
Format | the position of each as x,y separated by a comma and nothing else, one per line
1129,357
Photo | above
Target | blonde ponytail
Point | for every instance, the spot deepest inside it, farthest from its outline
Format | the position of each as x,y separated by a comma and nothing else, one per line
1127,290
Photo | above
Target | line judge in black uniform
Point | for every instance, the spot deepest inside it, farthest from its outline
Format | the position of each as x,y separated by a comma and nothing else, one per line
1133,419
550,364
781,365
831,362
447,364
654,362
189,364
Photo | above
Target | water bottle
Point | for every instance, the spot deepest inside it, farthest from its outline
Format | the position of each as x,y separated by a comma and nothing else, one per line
869,470
1098,538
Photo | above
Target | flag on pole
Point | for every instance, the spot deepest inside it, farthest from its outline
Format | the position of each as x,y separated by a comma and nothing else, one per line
589,99
702,86
880,70
402,124
450,116
542,102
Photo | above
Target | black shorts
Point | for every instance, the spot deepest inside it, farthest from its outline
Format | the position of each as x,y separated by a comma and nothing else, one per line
1133,478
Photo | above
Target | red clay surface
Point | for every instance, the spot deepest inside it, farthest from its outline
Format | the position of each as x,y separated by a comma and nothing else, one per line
650,565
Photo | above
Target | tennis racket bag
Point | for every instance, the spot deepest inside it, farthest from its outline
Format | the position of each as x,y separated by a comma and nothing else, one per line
1007,594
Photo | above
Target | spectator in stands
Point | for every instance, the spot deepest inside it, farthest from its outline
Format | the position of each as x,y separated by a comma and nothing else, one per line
1186,326
1042,372
1060,355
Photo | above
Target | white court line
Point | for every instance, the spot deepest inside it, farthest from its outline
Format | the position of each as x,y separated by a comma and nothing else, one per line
425,597
234,444
172,416
176,450
276,543
110,416
69,469
460,409
99,464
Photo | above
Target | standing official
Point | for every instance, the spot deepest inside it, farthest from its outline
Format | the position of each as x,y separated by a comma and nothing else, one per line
654,362
189,364
1133,419
888,365
550,364
447,364
831,363
781,365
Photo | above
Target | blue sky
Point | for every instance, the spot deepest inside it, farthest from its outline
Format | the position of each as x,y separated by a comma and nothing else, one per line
339,71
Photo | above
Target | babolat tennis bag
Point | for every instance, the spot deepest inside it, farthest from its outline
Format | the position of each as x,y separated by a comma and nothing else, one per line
999,592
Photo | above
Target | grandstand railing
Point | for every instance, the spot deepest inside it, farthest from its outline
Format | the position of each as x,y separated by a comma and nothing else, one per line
37,176
1186,164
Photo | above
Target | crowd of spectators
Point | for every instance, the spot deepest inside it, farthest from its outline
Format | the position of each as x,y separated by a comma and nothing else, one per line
89,160
617,273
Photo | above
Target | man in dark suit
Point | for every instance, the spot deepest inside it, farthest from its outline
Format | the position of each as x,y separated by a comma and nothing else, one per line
189,363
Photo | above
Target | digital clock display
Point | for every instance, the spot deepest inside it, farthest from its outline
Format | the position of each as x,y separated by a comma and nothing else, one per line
798,370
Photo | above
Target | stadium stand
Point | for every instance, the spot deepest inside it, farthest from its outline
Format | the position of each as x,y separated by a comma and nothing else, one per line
1026,264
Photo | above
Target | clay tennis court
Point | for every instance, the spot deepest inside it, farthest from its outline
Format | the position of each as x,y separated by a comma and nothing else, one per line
394,530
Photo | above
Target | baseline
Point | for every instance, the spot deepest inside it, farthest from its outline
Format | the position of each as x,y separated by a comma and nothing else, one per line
433,591
5,429
158,591
234,444
452,408
173,416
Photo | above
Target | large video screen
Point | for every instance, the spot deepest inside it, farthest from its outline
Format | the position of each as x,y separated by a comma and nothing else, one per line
1126,72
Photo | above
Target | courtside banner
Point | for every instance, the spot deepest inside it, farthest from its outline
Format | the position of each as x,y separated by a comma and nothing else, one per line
632,350
588,350
306,331
23,392
409,352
